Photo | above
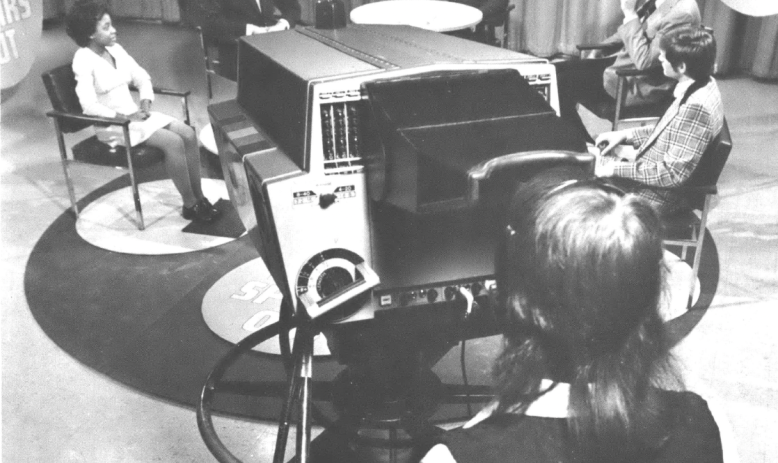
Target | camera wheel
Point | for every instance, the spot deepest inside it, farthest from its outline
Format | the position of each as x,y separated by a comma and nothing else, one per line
212,383
298,365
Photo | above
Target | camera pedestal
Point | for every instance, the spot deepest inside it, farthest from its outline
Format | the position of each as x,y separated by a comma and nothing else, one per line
384,398
377,425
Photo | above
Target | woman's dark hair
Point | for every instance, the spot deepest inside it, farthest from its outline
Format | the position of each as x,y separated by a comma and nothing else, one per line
692,45
580,275
82,18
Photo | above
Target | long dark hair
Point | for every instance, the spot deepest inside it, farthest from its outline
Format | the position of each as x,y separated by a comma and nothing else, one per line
580,274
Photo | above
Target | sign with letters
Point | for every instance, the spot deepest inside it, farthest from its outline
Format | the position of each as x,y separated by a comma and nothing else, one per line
20,31
245,300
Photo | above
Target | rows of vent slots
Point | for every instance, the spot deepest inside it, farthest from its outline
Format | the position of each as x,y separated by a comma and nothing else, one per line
340,135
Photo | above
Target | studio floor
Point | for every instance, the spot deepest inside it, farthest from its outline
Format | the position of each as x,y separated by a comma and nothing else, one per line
56,408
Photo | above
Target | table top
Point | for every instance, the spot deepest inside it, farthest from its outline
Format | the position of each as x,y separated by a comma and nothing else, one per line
208,140
433,15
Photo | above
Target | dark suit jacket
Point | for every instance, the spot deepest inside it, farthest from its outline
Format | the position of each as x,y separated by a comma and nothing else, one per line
224,21
492,9
641,49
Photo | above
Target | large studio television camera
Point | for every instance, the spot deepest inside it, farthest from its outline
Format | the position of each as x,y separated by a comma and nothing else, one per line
371,166
370,163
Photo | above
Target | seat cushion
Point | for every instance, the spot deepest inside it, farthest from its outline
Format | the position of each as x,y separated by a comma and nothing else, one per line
93,151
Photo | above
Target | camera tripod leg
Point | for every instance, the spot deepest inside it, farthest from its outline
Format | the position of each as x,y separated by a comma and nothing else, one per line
299,393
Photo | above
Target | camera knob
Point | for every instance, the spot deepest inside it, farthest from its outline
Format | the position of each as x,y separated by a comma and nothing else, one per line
326,200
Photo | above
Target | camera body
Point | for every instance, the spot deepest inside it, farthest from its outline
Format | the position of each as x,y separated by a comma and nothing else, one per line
369,163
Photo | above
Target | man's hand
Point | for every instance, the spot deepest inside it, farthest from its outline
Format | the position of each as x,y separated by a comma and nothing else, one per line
608,141
281,25
252,29
629,8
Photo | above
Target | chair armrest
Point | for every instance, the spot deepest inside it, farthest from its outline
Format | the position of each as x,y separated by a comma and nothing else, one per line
704,189
632,71
615,46
93,119
593,46
604,49
166,91
682,189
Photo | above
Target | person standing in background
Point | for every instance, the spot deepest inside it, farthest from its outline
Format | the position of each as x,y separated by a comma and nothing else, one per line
493,11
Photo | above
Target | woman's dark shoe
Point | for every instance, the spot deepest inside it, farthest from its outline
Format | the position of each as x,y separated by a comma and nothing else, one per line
202,211
210,206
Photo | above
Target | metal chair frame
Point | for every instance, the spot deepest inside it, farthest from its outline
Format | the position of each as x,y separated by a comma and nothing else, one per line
621,89
210,59
699,191
488,30
61,116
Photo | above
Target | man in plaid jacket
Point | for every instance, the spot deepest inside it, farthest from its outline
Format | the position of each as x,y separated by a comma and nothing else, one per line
666,154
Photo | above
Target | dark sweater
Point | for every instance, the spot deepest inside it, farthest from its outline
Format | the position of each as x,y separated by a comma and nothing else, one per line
510,438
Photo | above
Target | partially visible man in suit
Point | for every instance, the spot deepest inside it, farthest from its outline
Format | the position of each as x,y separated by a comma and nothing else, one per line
637,39
666,155
493,11
226,20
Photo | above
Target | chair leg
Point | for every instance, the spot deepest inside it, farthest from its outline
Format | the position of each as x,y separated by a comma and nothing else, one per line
185,109
506,30
619,102
64,158
133,181
698,249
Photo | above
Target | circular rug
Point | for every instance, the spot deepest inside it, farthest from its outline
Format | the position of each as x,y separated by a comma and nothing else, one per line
245,300
138,318
110,221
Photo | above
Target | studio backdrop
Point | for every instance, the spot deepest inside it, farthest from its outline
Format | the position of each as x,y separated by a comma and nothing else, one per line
747,44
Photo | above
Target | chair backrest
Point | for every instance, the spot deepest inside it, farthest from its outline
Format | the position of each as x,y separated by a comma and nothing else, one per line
60,84
711,164
506,26
210,51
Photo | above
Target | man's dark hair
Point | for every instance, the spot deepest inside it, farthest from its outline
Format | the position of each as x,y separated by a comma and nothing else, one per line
694,46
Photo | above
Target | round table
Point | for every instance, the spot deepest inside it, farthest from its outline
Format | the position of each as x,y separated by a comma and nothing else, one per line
207,139
433,15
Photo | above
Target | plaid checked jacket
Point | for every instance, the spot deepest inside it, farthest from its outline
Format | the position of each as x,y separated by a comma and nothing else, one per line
668,153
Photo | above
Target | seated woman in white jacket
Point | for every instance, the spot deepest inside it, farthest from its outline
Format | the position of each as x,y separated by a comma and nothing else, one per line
103,71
